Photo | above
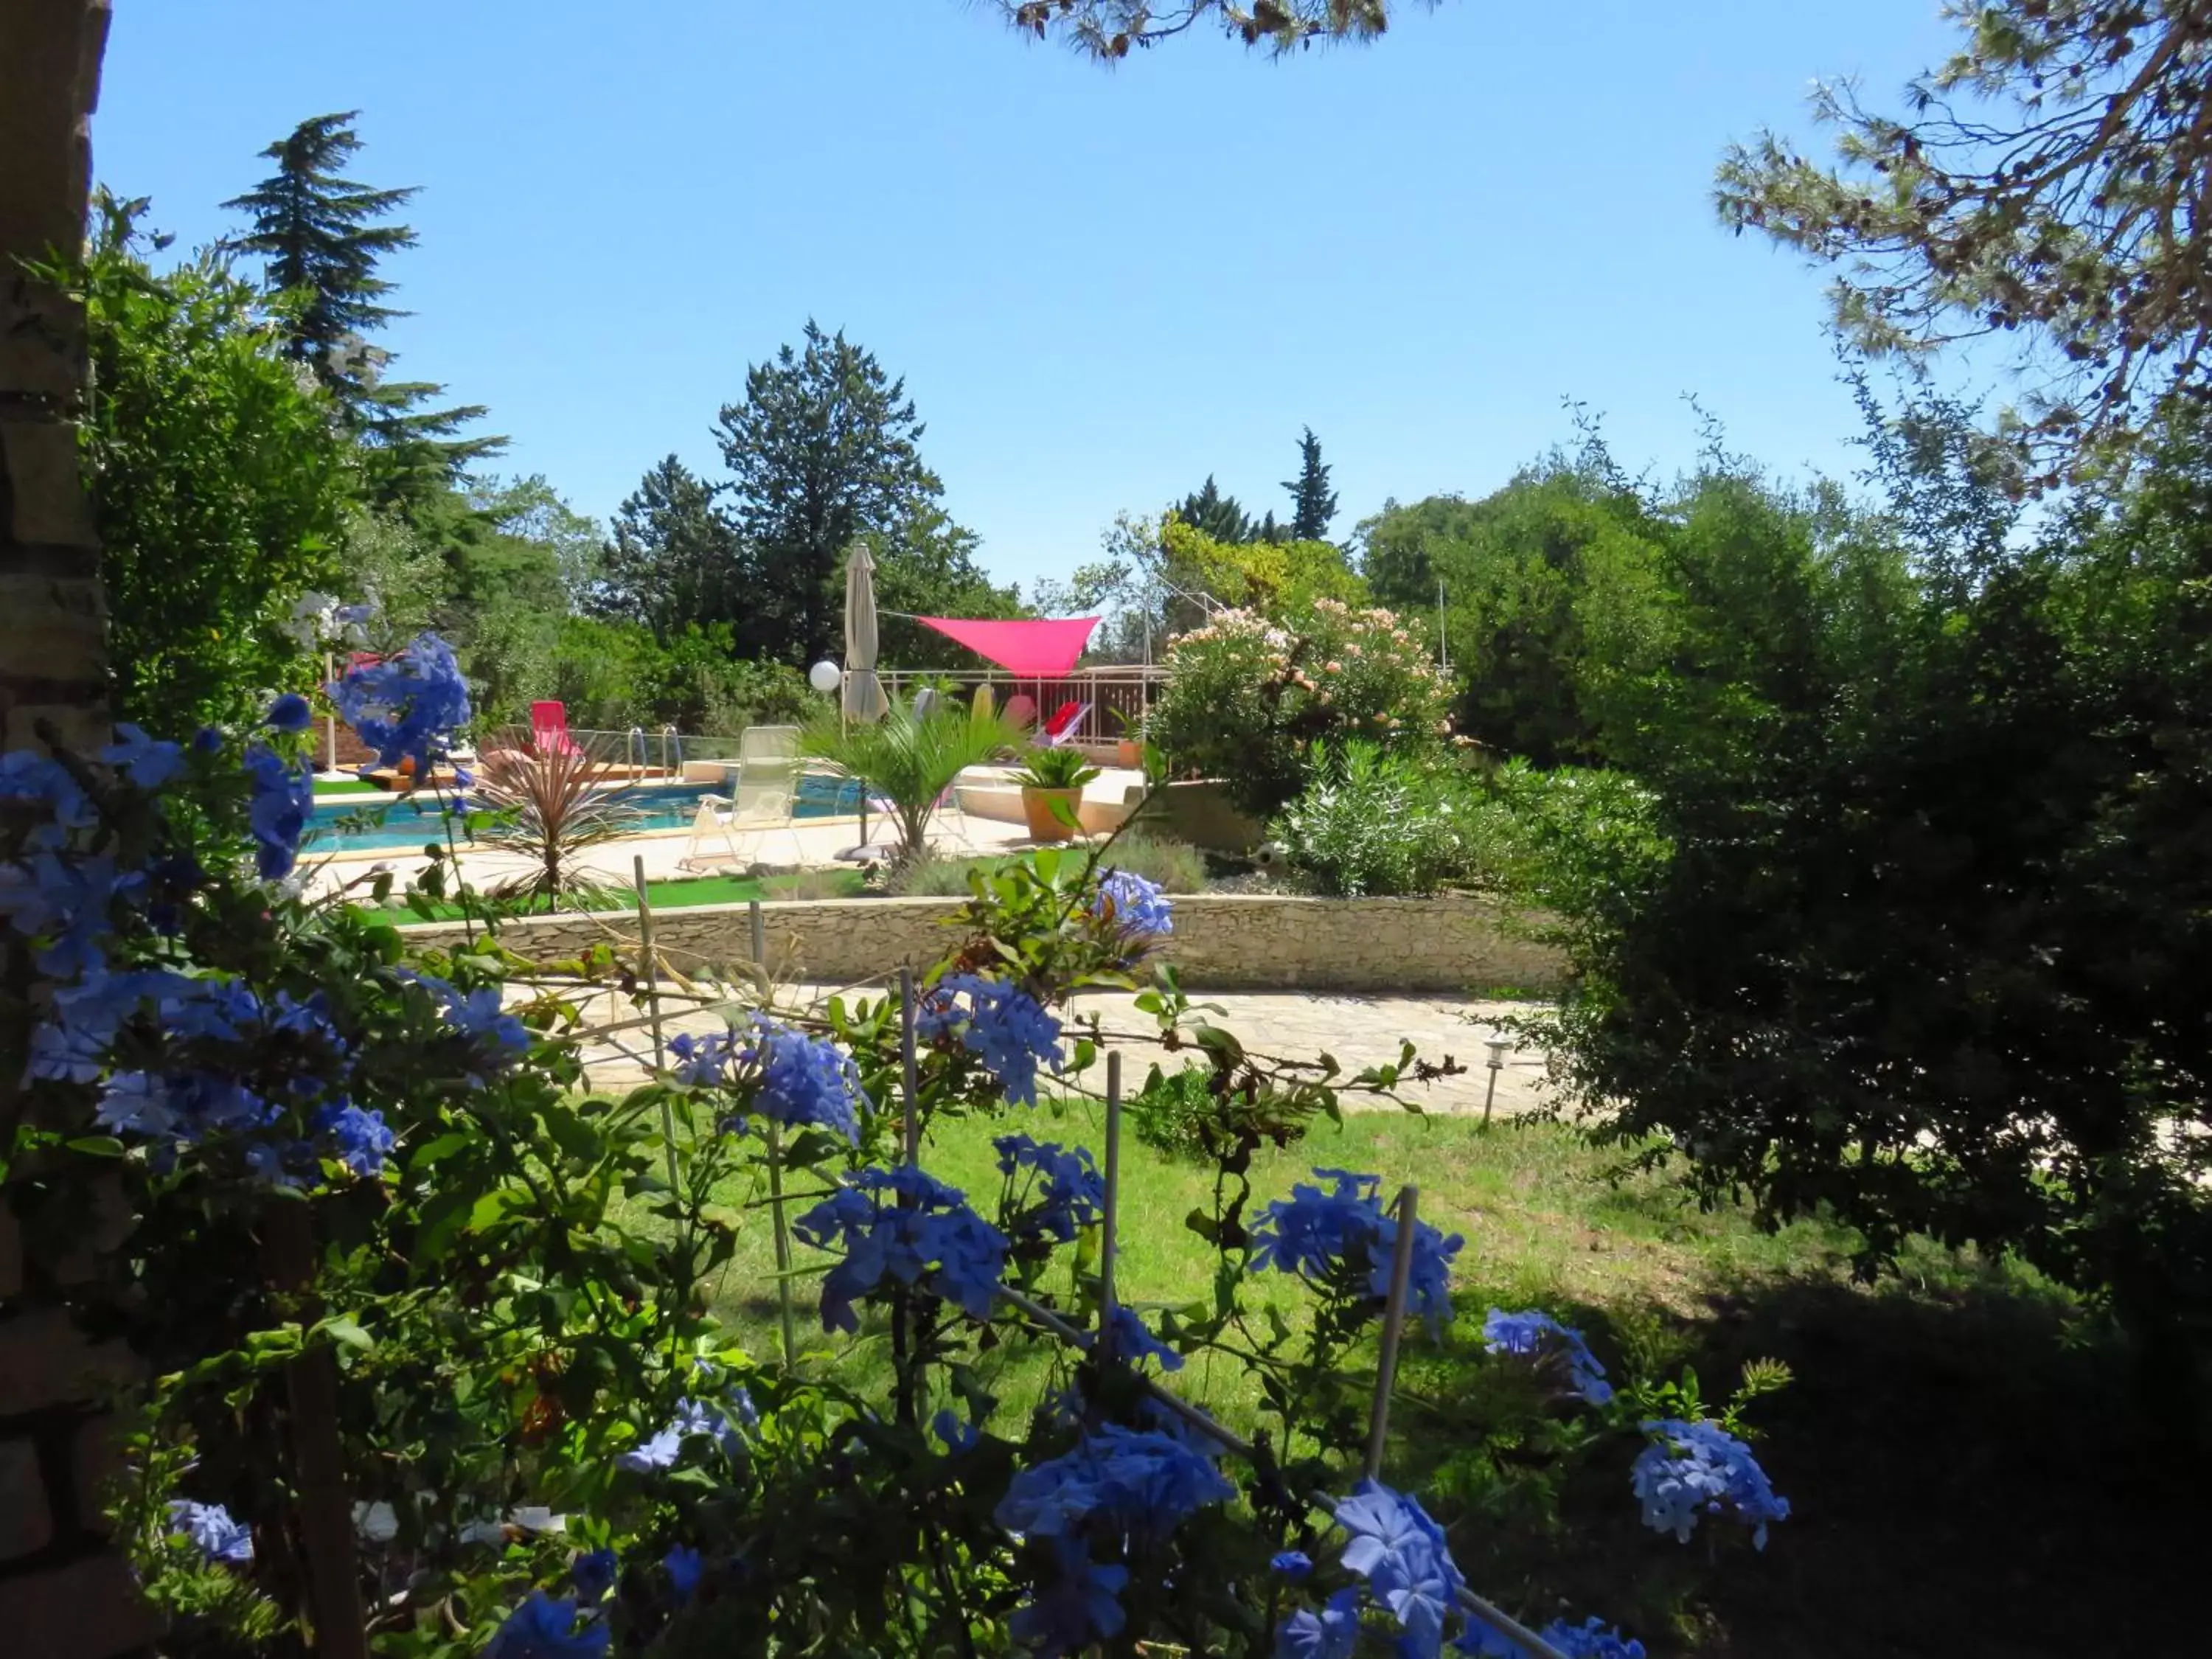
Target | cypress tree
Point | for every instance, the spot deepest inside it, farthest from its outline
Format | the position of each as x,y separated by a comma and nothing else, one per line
1312,502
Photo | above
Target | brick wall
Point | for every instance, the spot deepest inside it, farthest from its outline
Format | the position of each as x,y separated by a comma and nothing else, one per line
1221,941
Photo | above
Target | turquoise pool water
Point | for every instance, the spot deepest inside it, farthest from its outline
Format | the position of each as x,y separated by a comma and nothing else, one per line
359,821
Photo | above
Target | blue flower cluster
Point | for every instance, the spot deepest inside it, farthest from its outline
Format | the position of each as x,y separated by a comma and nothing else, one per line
405,706
1402,1555
1590,1640
496,1038
802,1080
1077,1609
694,1421
1322,1235
282,800
1535,1335
1067,1195
543,1628
806,1080
1331,1633
686,1568
1129,1480
225,1034
934,1235
1002,1023
211,1529
1133,1342
1133,906
1692,1470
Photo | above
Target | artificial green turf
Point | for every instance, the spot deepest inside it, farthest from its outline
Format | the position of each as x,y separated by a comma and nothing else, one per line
700,890
346,786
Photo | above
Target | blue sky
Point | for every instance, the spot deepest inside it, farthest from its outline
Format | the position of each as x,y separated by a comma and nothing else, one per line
1099,285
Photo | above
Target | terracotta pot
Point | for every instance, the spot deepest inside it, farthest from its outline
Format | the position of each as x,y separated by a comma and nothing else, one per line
1129,752
1043,817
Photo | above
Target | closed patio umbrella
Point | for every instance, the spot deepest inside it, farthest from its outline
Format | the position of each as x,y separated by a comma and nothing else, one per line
864,697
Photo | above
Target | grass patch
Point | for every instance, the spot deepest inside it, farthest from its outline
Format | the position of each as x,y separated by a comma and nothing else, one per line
1966,1475
704,890
346,786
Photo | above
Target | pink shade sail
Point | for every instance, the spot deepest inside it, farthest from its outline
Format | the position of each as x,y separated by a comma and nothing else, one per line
1043,647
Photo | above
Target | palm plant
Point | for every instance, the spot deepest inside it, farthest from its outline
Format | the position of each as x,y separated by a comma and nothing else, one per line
910,763
1056,769
551,807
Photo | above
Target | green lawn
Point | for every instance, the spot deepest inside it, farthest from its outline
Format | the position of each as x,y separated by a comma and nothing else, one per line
1967,1478
346,786
705,890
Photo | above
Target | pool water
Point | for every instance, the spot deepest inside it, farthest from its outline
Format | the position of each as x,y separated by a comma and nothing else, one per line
350,822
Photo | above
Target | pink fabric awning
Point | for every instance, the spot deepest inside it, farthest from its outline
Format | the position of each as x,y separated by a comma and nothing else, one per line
1041,648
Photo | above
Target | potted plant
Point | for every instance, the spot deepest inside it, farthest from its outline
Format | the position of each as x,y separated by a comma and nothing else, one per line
1052,790
1129,748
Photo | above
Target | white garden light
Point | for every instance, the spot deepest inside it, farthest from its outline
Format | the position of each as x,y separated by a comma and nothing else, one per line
826,676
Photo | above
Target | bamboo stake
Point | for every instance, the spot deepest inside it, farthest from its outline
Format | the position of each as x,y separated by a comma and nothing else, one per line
1394,1326
1109,1232
758,923
782,1242
652,1017
909,1069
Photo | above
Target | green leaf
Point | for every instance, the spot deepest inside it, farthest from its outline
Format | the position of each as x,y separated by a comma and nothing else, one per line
342,1329
97,1146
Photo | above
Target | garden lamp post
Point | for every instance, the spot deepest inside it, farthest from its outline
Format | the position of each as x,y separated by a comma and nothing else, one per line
1498,1047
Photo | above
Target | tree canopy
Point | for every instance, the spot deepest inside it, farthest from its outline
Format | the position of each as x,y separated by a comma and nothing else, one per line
1111,29
321,238
1313,503
2047,182
825,447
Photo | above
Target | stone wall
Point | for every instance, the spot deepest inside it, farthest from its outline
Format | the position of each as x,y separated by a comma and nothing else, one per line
1221,941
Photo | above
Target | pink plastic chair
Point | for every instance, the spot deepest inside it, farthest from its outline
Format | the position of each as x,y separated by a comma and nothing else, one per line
1066,720
548,729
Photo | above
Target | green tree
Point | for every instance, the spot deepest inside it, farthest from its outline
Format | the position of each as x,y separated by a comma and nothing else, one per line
1111,29
674,559
1313,503
1518,569
321,238
220,484
2047,184
825,447
1213,514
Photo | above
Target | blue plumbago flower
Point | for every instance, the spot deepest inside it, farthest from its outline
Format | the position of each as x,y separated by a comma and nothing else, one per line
692,1420
1332,1633
684,1570
32,779
286,1164
1320,1235
210,1527
290,713
1536,1335
357,1138
405,706
180,1109
543,1628
999,1022
1132,906
1134,1480
1590,1640
1133,1342
879,1236
957,1434
72,1045
1293,1565
1402,1555
705,1061
1692,1469
495,1036
65,903
277,810
1077,1610
148,762
593,1574
208,740
806,1080
1069,1195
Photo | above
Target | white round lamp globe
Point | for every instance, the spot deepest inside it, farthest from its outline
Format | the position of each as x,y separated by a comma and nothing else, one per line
826,676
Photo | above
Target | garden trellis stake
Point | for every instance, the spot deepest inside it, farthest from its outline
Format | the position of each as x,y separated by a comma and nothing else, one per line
1393,1326
650,968
1108,1231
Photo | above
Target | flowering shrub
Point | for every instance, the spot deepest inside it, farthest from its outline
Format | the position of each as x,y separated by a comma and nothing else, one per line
1246,696
381,1219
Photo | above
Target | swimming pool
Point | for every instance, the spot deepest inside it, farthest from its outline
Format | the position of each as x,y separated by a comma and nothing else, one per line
352,822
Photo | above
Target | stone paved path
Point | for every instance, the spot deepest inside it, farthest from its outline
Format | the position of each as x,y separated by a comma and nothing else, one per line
1359,1030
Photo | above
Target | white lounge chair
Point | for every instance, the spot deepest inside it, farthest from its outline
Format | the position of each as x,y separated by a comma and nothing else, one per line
762,802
